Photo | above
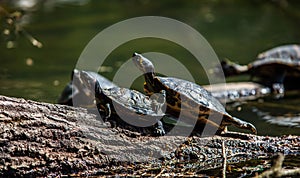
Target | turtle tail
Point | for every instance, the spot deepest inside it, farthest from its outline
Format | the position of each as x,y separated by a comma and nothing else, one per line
244,125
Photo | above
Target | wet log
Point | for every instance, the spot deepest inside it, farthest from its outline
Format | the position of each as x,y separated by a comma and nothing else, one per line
42,139
238,91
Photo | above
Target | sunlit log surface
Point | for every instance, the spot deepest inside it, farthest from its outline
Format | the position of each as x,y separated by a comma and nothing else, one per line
42,139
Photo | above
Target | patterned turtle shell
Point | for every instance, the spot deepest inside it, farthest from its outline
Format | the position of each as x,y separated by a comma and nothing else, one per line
277,68
123,104
187,99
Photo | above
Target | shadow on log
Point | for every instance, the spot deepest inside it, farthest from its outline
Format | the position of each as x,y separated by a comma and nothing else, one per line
41,139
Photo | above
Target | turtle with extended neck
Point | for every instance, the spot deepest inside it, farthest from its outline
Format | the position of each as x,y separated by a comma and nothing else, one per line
277,68
188,99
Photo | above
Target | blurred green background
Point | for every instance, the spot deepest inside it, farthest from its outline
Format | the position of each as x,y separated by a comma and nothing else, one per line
236,29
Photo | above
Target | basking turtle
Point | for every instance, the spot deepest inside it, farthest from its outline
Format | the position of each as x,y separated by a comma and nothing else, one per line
277,68
75,89
188,99
69,91
125,106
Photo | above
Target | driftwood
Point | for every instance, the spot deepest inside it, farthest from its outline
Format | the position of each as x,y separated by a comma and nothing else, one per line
41,139
238,91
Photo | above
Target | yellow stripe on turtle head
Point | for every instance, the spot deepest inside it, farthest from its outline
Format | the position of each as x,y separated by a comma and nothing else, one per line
144,64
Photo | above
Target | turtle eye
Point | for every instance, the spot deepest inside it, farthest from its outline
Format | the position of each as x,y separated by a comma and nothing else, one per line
136,97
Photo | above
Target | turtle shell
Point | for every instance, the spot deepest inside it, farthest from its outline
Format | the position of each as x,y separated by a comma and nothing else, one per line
268,63
285,51
187,99
195,94
132,110
277,59
133,101
104,82
268,68
277,64
128,105
195,104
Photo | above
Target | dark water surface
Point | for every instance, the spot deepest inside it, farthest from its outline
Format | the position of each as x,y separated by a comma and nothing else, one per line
237,30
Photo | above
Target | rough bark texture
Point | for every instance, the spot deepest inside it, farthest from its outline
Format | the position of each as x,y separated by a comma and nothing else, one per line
40,139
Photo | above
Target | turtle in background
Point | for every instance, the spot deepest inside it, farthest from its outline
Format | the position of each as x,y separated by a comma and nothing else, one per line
76,92
188,99
277,68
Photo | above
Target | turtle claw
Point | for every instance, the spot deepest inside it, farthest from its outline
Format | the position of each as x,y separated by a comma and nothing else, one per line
159,129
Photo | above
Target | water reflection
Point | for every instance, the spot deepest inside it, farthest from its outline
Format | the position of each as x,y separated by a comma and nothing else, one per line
271,117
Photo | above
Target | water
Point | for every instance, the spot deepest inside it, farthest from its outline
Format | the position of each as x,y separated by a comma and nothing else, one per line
237,30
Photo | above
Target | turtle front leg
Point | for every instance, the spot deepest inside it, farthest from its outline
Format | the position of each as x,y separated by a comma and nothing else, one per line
159,129
278,90
104,111
277,85
107,111
106,114
158,101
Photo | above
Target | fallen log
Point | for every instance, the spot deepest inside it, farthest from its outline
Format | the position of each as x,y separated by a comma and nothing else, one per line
42,139
238,91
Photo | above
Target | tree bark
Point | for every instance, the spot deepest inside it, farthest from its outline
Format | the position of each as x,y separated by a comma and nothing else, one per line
41,139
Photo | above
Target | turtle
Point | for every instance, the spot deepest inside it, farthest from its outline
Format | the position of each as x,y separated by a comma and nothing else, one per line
75,89
187,99
125,106
278,68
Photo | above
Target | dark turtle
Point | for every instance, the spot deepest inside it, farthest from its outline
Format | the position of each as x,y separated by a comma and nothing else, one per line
125,105
69,91
277,68
75,89
187,99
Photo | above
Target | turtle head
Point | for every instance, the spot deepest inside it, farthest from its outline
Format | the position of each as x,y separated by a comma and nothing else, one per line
75,78
87,79
230,68
75,73
144,64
